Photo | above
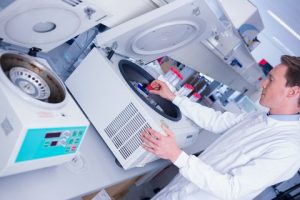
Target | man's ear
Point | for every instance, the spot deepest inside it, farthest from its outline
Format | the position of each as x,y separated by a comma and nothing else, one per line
294,91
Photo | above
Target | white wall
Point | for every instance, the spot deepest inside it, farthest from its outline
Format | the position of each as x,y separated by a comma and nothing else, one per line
276,39
267,50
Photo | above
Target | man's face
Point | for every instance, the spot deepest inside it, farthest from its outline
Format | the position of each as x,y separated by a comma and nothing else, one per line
274,93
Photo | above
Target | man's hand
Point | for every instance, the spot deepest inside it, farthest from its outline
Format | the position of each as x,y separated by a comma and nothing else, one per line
160,88
162,146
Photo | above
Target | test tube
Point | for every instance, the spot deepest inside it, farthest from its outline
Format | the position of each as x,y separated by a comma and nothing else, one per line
142,87
195,97
192,79
189,89
170,73
173,76
177,78
185,90
200,86
149,87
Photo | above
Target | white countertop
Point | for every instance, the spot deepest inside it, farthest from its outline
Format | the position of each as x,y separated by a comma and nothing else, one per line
68,181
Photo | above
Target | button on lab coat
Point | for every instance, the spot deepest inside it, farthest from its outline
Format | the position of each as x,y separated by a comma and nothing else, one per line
253,152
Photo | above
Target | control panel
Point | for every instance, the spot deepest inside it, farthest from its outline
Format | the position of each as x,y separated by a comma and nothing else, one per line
49,142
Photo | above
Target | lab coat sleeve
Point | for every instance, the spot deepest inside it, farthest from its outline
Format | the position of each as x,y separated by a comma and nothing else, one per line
207,118
274,166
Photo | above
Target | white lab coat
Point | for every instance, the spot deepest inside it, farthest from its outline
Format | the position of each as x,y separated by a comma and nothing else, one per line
253,152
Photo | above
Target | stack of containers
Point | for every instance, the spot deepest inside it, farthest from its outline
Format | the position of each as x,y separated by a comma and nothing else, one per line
195,97
185,90
191,88
173,76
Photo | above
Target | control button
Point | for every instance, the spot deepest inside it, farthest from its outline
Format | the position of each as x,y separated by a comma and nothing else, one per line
71,141
62,142
80,133
66,133
73,148
74,134
77,140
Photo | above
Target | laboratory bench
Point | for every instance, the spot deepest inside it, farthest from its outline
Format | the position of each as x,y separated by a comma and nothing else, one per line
93,169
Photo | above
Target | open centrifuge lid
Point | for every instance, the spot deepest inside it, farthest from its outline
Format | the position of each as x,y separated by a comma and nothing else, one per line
161,31
46,24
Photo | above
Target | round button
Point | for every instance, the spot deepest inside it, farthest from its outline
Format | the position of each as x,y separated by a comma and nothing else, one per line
67,133
62,142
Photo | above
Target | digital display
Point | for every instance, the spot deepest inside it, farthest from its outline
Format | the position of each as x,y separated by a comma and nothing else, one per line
53,143
53,135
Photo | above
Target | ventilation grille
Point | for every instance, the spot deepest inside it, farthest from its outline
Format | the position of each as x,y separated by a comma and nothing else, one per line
125,130
72,3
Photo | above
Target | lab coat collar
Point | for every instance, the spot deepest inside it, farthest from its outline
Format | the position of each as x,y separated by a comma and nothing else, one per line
295,117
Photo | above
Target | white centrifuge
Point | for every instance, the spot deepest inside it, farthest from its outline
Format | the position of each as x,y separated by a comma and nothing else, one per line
106,89
40,123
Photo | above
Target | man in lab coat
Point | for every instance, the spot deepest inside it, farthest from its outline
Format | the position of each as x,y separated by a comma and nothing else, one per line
255,150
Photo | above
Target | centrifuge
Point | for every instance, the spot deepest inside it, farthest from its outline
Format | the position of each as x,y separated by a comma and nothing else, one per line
112,93
40,123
